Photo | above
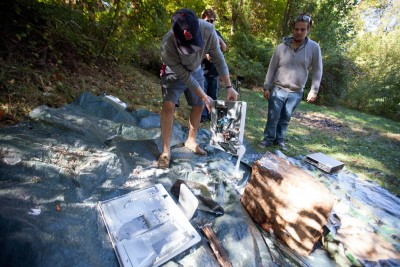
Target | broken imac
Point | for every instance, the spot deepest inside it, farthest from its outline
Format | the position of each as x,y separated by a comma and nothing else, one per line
227,125
146,227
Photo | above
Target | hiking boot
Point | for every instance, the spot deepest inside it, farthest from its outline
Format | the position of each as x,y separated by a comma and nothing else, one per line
264,144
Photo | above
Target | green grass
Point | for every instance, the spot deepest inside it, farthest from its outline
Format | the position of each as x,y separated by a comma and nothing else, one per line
369,145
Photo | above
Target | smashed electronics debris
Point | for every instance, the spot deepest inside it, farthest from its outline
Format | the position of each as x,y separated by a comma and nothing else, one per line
146,227
227,125
324,162
115,101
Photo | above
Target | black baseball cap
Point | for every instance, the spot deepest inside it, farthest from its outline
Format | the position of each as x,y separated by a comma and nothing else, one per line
186,28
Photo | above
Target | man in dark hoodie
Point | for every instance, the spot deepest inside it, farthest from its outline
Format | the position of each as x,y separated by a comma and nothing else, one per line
286,77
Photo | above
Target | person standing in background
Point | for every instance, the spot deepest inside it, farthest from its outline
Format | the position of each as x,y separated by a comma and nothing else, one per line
210,72
286,77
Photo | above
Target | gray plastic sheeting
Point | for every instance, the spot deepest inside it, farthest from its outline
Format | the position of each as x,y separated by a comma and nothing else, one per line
55,168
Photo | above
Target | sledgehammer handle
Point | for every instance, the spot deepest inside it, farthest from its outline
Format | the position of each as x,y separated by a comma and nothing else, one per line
216,246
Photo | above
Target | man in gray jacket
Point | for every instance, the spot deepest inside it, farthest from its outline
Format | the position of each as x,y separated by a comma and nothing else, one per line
182,51
286,77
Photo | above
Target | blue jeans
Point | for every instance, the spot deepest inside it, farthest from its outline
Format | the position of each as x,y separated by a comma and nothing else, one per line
211,89
281,105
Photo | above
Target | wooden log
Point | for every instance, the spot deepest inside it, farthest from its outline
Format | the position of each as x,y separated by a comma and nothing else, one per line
285,199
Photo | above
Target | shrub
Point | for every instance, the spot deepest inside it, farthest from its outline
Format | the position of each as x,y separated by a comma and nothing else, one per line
249,57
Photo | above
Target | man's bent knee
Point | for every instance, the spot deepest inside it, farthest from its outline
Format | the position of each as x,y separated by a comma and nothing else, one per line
168,107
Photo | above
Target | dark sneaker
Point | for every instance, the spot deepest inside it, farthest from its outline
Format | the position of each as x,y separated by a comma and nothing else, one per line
264,144
282,145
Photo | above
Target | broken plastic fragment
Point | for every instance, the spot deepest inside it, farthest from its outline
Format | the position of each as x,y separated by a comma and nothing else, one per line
35,212
12,160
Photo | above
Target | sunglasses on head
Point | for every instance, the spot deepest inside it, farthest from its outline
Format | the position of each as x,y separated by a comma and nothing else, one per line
210,20
303,18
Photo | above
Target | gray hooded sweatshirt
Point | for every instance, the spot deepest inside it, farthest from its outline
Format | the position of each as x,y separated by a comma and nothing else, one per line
182,65
288,68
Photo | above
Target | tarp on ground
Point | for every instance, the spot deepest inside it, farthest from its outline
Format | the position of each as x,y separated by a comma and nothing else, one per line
57,166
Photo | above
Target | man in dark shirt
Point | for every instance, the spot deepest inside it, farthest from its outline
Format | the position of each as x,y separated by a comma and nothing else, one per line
210,72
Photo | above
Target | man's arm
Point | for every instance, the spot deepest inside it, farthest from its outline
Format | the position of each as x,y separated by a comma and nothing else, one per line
317,69
221,41
223,71
216,55
222,44
231,94
269,77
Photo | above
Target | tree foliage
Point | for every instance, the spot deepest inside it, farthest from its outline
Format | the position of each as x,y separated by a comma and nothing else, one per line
360,64
375,87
